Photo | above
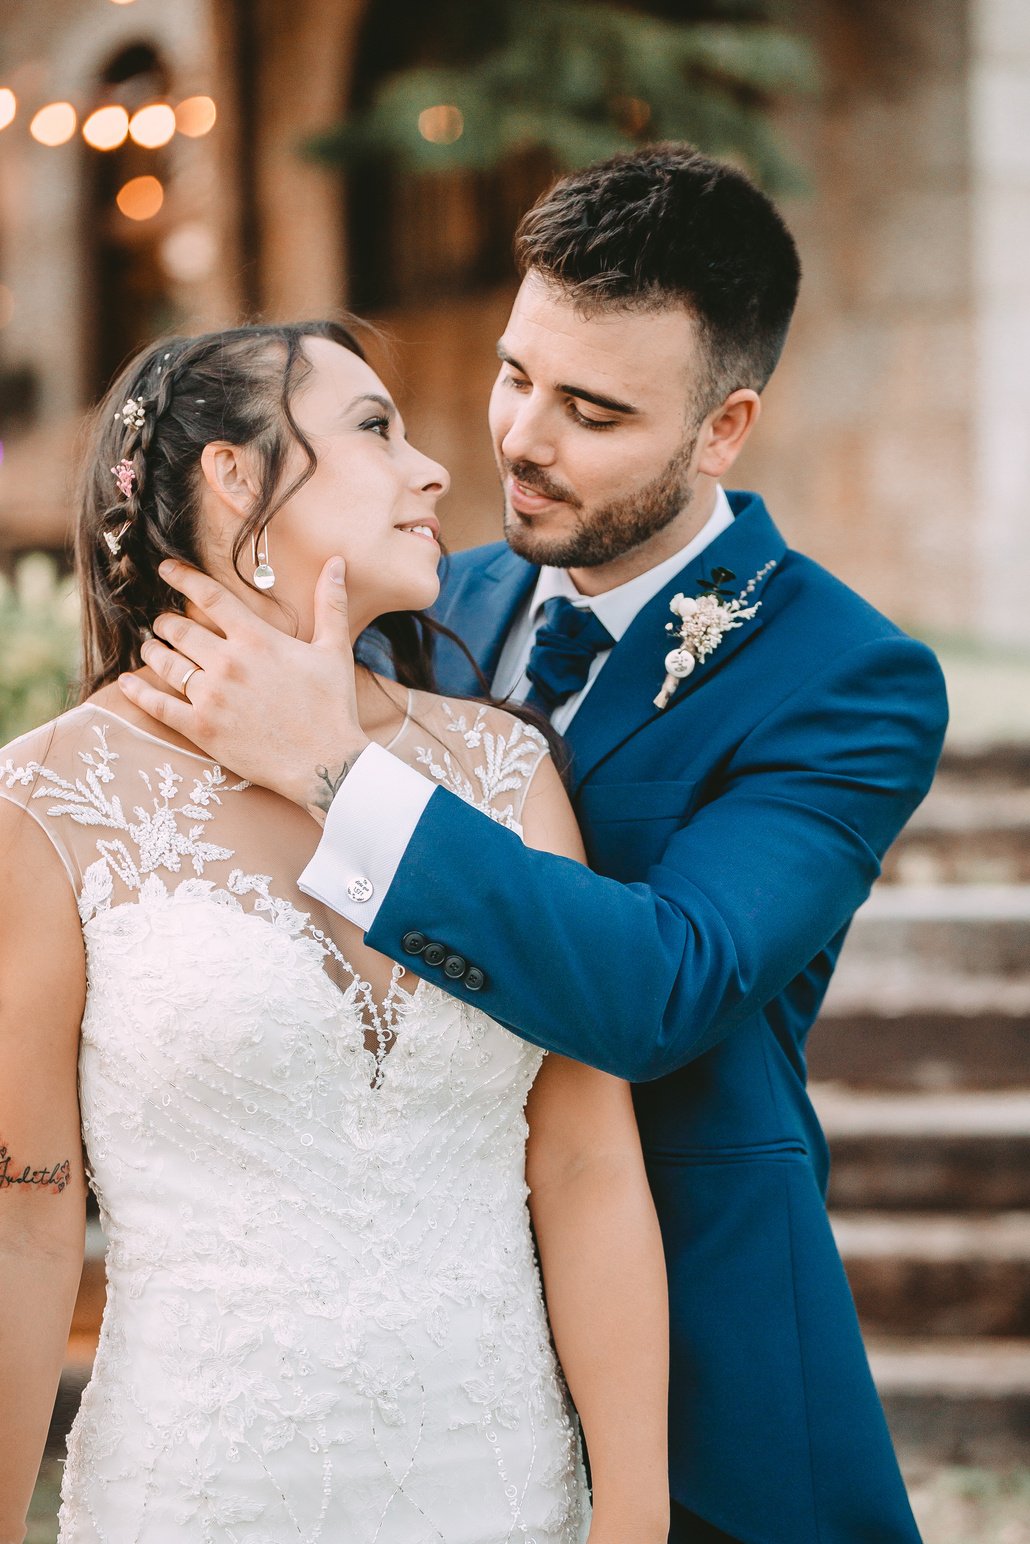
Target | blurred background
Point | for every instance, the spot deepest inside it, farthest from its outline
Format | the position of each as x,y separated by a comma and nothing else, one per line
173,167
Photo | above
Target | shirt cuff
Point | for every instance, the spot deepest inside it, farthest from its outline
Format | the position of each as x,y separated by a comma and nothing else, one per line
369,825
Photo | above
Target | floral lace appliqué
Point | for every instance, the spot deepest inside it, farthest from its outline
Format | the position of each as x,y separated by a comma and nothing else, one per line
507,761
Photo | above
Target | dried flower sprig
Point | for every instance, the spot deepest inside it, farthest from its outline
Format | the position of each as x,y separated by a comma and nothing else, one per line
125,477
133,414
703,623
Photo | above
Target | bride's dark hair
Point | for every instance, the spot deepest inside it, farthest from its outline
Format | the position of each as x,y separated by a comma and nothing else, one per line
236,385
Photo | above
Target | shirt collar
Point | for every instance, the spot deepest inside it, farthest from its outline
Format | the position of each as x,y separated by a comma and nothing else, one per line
617,608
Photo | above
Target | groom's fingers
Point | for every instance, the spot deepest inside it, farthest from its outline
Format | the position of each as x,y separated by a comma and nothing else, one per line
168,664
332,623
163,706
201,618
226,612
197,644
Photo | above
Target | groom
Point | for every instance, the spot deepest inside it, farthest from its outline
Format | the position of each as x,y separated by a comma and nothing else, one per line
747,738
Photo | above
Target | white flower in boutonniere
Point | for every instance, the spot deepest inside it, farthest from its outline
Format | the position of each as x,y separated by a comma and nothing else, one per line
704,622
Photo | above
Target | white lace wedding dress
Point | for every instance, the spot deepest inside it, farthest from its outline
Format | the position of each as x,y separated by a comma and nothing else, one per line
324,1318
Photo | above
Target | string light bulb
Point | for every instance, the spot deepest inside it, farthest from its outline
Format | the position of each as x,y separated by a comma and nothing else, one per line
107,128
54,124
196,116
152,126
441,125
140,198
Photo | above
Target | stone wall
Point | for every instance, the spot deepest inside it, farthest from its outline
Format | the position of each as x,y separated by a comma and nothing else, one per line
1000,407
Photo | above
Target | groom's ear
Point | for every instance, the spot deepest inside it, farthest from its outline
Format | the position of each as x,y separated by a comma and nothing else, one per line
724,433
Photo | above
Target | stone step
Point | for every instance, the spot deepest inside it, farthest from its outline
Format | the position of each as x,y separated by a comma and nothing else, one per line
1001,765
965,833
977,931
999,856
927,1152
955,1402
952,1275
908,1042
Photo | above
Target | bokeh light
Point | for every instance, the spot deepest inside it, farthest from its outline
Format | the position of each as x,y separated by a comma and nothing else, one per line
123,2
8,106
152,126
107,128
6,304
196,116
189,253
441,125
632,114
54,124
140,198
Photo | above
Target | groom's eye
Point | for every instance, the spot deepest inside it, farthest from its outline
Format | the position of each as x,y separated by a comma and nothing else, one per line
589,423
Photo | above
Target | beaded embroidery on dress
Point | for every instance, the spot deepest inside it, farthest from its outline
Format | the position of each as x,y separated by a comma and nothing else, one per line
324,1317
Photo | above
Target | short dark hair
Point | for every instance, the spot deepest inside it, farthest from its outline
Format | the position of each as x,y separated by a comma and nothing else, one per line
667,226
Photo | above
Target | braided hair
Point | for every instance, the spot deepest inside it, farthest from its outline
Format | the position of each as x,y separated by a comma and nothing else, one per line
139,494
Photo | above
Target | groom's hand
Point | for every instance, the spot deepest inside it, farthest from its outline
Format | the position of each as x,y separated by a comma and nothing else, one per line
274,710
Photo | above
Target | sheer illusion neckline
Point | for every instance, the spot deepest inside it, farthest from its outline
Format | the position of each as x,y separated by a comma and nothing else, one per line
180,750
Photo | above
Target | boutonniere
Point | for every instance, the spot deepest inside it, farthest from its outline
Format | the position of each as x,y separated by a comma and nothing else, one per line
704,621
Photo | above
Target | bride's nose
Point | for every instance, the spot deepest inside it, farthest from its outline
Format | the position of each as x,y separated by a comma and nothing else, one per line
428,476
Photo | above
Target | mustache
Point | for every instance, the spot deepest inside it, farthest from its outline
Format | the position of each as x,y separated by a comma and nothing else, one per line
535,481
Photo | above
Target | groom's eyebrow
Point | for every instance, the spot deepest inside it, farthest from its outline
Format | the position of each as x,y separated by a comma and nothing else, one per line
612,404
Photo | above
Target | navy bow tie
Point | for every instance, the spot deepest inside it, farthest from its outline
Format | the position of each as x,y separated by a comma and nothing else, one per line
566,645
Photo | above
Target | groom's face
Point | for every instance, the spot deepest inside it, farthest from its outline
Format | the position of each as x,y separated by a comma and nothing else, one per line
594,423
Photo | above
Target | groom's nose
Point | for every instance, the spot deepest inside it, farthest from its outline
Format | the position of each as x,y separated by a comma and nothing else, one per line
528,436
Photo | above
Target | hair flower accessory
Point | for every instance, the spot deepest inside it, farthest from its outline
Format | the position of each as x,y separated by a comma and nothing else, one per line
125,477
134,413
703,623
114,539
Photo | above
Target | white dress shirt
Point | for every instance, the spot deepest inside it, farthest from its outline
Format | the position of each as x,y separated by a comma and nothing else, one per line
373,817
616,609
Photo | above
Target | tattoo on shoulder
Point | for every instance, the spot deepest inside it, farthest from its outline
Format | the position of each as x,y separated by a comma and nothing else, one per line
55,1178
328,784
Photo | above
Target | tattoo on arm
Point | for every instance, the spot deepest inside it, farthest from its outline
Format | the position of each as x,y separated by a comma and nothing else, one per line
328,784
55,1179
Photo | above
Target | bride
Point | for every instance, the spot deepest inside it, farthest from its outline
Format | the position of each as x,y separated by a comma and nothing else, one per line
324,1316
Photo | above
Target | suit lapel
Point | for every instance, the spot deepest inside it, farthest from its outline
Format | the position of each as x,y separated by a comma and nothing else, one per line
481,605
621,700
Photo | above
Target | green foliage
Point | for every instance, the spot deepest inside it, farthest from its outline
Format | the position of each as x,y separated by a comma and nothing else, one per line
580,81
39,644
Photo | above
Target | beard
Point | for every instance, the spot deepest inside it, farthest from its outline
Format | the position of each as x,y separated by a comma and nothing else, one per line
607,532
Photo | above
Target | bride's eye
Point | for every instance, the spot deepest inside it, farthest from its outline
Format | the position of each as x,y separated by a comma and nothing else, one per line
379,425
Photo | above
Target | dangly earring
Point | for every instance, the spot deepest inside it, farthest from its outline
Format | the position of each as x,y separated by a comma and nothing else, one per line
264,573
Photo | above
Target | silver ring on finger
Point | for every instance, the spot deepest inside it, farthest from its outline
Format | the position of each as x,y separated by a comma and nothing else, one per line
186,679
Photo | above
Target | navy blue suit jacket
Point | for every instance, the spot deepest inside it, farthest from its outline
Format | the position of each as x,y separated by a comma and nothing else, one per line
732,837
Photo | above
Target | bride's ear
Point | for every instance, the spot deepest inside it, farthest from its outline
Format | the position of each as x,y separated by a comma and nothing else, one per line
227,473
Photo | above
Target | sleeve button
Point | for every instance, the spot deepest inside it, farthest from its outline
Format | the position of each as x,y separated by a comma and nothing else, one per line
414,942
361,889
434,954
455,967
475,979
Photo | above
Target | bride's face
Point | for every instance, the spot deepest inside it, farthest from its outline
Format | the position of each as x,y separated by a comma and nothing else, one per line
370,500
